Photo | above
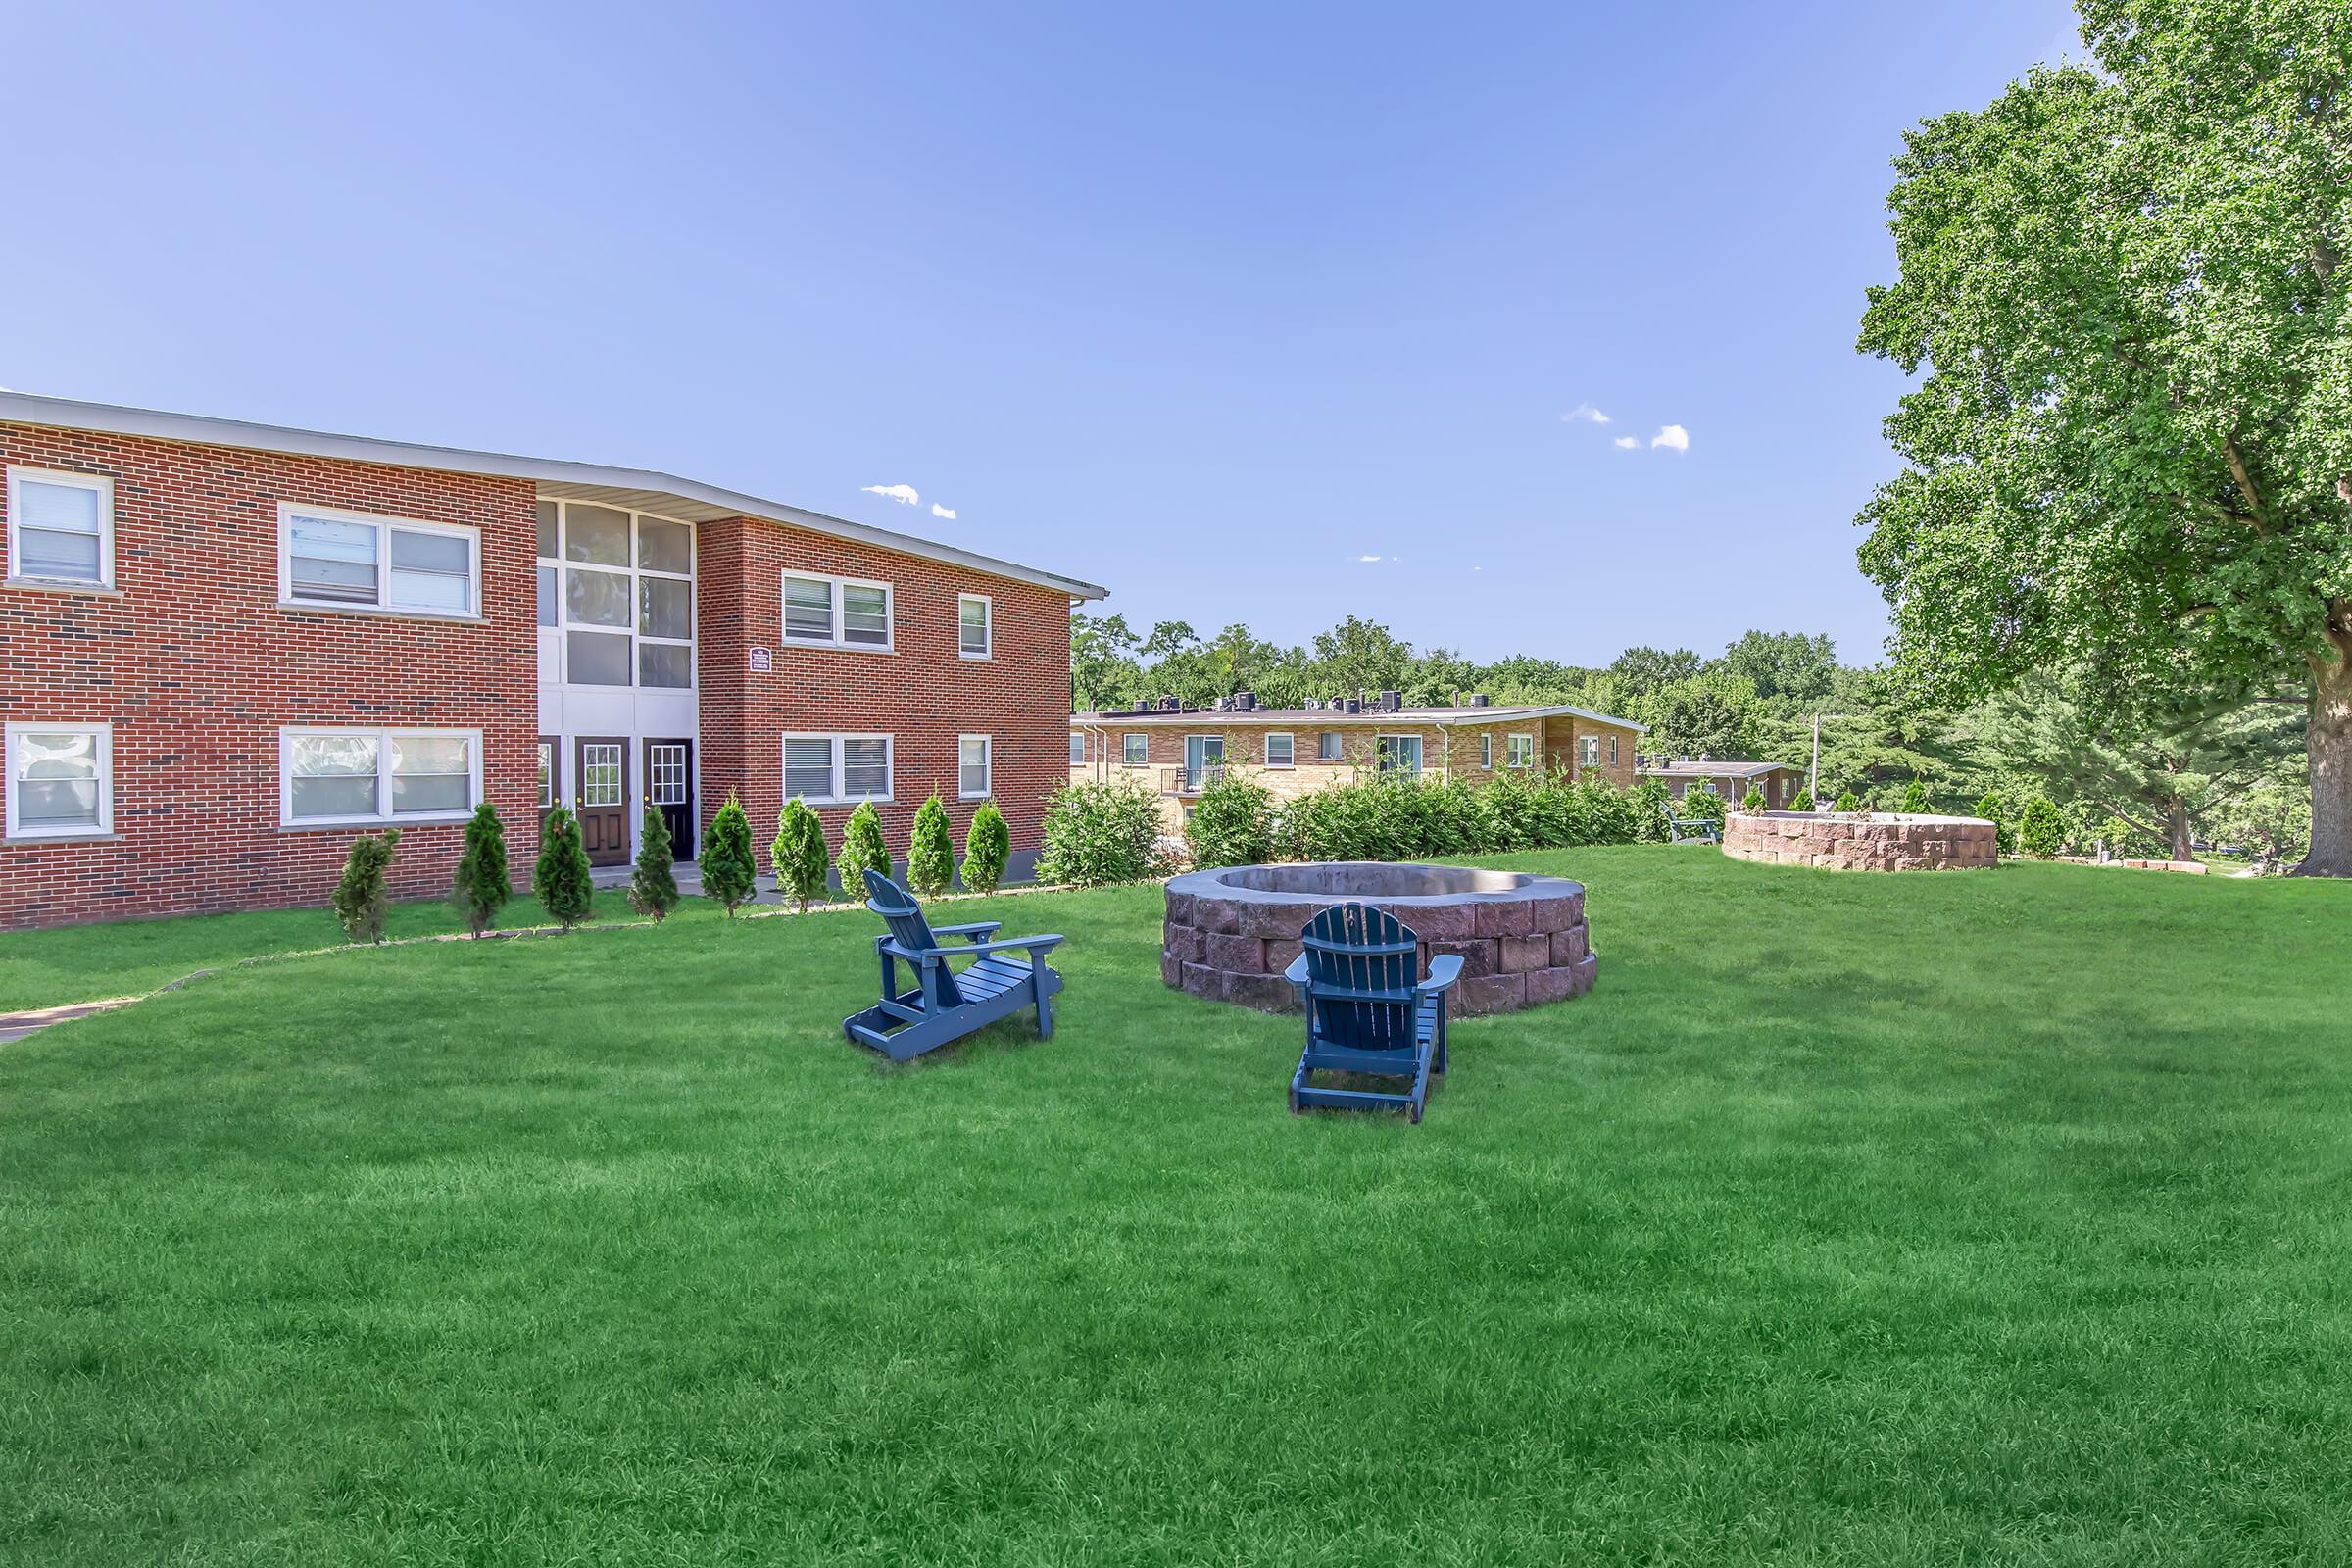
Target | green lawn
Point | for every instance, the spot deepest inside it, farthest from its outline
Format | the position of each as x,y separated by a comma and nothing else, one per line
1986,1218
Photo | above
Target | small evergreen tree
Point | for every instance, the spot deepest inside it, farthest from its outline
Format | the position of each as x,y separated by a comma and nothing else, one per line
987,846
561,880
1753,801
483,883
1701,801
653,885
360,899
1803,800
862,849
931,858
1993,808
1915,798
798,852
1847,801
729,873
2040,829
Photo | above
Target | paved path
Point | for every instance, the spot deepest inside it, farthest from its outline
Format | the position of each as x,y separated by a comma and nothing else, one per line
15,1026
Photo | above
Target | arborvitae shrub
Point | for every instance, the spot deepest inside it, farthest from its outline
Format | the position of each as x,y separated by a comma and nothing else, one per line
729,873
653,885
862,849
1753,801
1231,824
798,854
987,846
1847,801
2040,829
360,900
561,881
483,883
1915,798
931,853
1803,800
1993,808
1097,833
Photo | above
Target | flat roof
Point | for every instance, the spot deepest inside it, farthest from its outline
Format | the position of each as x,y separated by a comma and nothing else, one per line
639,489
1328,717
1699,769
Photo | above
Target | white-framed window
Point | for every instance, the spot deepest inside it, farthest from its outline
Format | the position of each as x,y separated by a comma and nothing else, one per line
1399,755
547,774
329,559
975,626
1612,750
1519,751
836,611
1077,747
61,528
617,589
1485,751
1137,750
1329,746
1590,747
973,754
1280,751
837,769
343,777
665,773
60,781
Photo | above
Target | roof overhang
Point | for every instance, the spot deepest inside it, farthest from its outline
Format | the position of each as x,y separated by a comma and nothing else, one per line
1335,717
639,489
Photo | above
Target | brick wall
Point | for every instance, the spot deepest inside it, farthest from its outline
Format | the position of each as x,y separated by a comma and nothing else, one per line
921,693
195,665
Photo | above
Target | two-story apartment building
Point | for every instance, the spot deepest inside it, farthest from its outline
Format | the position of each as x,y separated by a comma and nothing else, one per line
227,648
1297,751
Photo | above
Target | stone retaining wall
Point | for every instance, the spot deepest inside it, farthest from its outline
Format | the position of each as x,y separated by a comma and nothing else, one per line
1884,841
1517,952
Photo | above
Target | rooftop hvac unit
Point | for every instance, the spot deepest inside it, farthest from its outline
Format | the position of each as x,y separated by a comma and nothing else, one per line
1246,701
1481,699
1391,701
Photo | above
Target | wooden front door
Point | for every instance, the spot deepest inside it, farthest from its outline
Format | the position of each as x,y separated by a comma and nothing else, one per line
669,790
601,794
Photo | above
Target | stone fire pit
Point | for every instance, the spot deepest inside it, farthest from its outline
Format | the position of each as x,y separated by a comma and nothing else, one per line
1521,939
1881,841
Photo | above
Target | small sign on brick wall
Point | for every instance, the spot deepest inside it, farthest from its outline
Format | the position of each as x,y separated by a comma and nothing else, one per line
762,661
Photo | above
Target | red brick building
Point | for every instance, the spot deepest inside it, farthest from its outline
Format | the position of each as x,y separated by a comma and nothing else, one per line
231,648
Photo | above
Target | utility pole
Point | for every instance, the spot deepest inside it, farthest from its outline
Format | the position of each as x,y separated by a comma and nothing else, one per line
1814,788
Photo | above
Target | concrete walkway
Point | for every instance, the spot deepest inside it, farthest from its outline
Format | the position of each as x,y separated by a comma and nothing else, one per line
15,1026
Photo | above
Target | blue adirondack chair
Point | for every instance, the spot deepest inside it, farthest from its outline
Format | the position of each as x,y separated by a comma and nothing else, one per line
945,1005
1365,1012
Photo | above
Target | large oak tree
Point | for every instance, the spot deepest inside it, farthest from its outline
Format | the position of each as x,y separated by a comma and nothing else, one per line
2131,452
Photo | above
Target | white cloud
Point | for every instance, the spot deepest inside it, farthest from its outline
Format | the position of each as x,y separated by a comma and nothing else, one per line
938,511
1628,443
1367,557
904,494
1584,411
1673,437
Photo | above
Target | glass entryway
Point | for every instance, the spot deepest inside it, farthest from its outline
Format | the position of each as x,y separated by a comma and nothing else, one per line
1204,760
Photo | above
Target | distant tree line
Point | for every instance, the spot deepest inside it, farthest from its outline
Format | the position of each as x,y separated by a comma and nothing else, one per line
2212,771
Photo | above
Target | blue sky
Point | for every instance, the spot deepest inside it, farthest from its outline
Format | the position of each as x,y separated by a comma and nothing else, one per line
1203,303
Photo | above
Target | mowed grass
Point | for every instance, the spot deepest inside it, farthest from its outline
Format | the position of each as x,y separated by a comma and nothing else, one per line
1977,1218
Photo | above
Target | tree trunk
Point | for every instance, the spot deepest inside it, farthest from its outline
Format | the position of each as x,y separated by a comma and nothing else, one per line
2330,742
2177,829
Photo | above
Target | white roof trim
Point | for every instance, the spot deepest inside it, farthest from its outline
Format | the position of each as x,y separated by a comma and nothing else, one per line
24,407
1288,718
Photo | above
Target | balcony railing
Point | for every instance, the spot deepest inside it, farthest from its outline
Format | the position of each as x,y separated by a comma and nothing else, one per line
1190,780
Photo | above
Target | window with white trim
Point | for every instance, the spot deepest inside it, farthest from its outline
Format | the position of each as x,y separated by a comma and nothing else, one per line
836,611
1590,748
975,626
1279,750
547,774
328,558
1397,755
60,780
837,769
1329,746
1612,750
1137,750
1519,751
1485,751
972,759
618,586
338,777
61,528
1077,747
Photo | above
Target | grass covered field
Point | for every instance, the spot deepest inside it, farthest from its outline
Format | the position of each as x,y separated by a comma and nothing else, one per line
1993,1217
